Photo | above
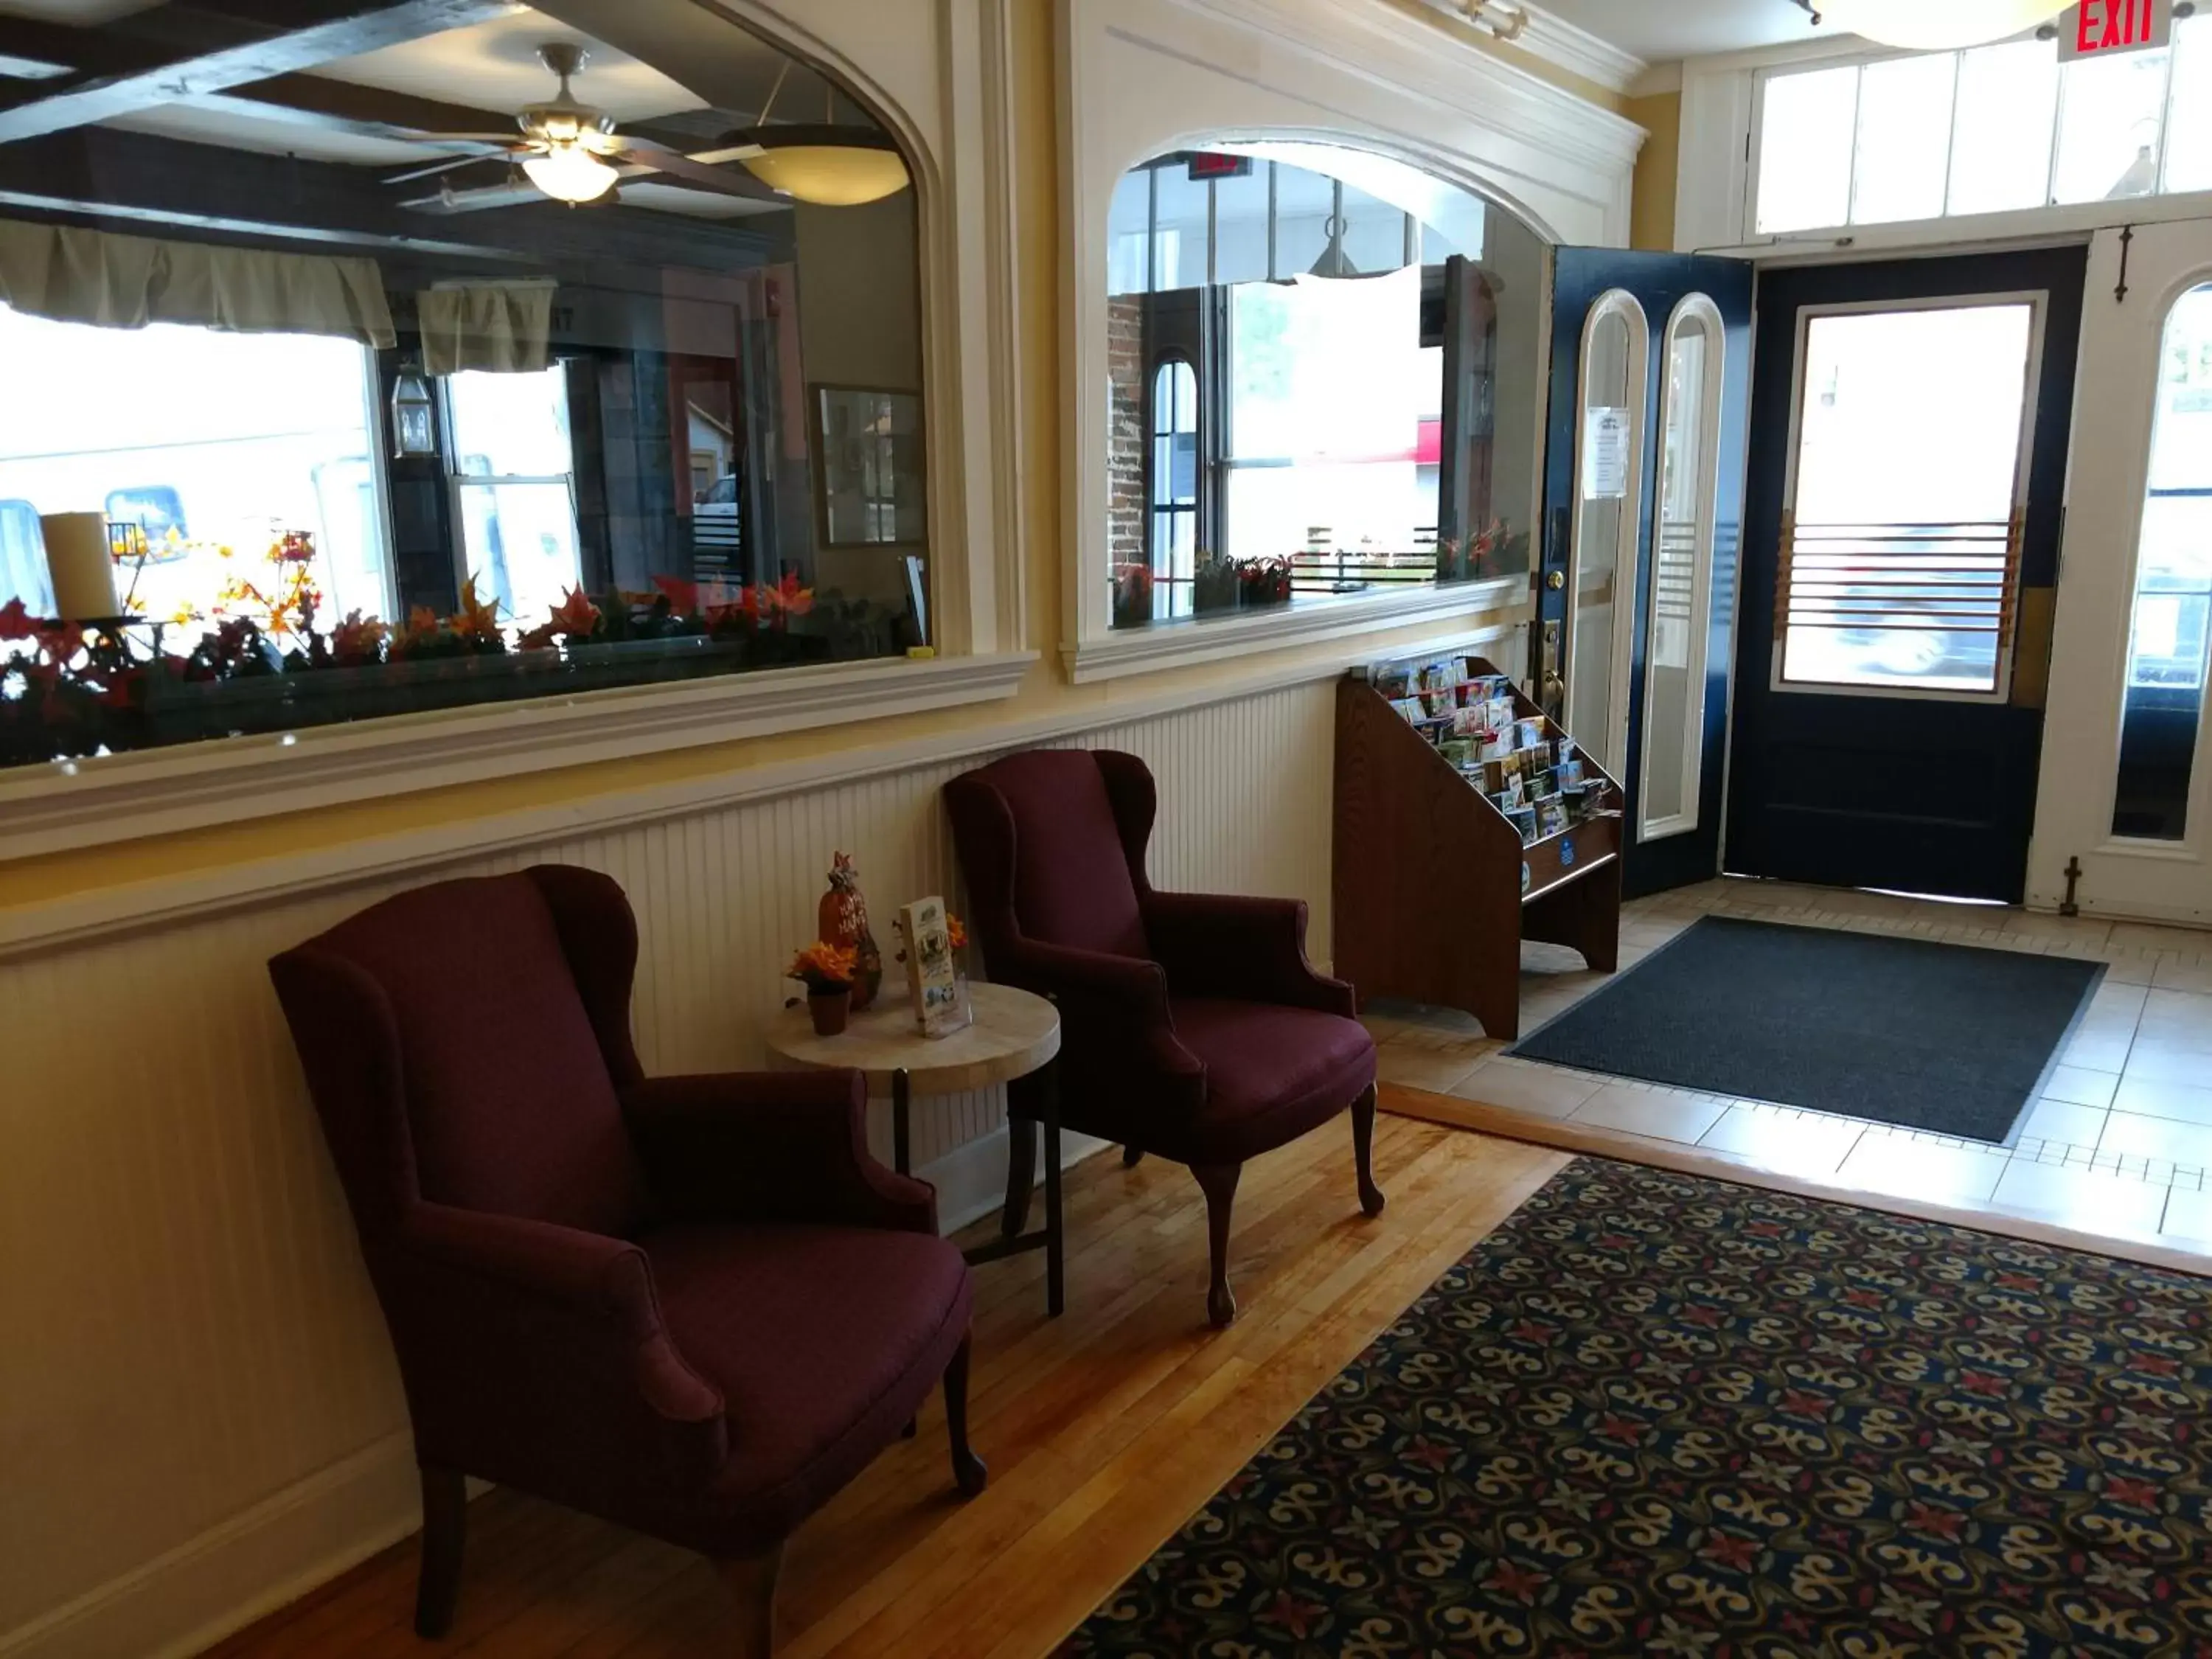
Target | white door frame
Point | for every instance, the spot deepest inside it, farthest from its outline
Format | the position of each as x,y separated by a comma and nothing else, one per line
2115,404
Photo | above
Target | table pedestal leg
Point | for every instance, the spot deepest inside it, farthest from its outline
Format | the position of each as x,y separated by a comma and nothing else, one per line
1056,1292
901,1127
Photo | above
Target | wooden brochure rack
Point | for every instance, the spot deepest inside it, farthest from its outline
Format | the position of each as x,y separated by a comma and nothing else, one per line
1435,888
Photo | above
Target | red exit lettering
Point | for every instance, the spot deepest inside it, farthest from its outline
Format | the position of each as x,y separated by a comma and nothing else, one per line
2115,26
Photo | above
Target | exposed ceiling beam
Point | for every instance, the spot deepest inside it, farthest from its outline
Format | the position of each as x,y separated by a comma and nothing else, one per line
214,51
102,173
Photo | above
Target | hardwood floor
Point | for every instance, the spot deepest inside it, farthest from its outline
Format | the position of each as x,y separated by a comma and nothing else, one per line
1104,1431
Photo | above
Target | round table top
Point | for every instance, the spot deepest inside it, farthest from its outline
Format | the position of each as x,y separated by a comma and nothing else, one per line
1014,1033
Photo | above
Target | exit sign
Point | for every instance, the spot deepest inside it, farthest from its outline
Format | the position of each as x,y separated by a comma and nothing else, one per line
2105,28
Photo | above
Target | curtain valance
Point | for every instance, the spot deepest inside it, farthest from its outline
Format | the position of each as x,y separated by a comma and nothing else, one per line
502,327
78,275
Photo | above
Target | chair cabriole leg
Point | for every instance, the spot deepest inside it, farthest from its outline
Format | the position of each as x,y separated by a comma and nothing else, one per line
968,1471
445,1530
752,1582
1363,1150
1218,1182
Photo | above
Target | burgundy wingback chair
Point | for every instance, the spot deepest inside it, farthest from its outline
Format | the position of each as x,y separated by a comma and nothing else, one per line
1192,1025
694,1305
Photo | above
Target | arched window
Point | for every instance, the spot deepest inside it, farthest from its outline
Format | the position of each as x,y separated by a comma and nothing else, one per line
1616,345
1174,486
1681,599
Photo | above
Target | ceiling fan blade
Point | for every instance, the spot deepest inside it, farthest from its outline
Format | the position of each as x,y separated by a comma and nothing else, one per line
728,181
432,169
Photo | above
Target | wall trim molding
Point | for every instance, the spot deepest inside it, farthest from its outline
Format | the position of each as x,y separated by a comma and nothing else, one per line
152,792
242,1568
196,895
1502,600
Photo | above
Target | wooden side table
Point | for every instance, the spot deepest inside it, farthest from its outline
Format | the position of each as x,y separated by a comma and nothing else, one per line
1015,1034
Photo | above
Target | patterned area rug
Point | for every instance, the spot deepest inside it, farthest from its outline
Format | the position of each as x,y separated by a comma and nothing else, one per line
1654,1413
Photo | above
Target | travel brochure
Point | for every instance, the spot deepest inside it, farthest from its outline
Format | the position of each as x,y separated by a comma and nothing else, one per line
1523,765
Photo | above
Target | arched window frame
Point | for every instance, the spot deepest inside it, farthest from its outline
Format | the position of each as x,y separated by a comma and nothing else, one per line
1613,303
1698,309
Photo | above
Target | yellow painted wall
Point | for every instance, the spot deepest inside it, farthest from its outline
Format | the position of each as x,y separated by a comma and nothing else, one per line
1044,695
1652,210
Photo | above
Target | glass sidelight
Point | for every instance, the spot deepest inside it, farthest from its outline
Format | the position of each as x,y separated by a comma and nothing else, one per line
2163,709
1680,603
1608,465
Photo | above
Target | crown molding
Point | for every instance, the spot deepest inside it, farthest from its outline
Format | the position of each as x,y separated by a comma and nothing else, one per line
1563,44
1576,49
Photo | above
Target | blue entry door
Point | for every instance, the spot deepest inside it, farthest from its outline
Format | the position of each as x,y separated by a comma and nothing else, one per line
1643,496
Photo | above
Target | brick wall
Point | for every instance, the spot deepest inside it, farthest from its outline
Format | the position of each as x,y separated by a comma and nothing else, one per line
1124,439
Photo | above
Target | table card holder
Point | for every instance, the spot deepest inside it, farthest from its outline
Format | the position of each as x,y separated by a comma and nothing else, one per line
932,977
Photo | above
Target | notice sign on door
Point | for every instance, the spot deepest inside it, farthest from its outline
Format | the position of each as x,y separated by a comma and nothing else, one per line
1605,454
2105,28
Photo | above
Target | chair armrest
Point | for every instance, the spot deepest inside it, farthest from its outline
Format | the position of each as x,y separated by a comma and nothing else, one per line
769,1146
536,1353
1113,1009
1254,949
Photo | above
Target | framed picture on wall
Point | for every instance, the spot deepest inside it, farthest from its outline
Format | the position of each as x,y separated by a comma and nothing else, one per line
867,475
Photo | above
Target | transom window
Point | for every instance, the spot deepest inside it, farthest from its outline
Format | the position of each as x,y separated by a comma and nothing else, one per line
1992,130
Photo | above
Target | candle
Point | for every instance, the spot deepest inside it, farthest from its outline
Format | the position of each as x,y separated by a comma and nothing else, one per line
82,570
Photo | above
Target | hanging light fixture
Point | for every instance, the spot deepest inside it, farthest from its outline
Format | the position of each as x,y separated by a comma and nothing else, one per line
569,172
1334,261
826,164
1933,25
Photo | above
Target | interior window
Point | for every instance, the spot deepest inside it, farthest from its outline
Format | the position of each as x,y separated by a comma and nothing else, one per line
1901,562
373,428
1355,401
1616,343
2164,708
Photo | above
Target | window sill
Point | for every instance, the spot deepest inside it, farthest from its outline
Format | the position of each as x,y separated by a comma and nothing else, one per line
1182,645
72,804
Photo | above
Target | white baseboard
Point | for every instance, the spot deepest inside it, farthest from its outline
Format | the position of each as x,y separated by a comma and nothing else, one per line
971,1179
191,1596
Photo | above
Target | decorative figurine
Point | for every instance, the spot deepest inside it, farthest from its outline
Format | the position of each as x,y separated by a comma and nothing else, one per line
842,919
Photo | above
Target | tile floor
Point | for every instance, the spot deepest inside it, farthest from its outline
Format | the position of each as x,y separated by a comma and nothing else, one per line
2119,1145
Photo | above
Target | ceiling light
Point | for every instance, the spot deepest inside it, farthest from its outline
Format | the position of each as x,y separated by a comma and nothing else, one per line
569,172
1334,261
827,166
1923,25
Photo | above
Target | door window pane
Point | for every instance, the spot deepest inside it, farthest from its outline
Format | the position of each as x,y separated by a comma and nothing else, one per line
1807,131
2007,105
1606,514
1900,568
1180,242
2189,135
1903,132
1682,564
2108,127
2164,706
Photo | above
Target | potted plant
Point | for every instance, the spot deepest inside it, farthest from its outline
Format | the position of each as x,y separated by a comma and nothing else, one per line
827,971
1215,586
1132,595
1263,584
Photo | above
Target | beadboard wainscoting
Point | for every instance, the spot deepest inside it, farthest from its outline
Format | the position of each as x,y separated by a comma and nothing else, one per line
202,1417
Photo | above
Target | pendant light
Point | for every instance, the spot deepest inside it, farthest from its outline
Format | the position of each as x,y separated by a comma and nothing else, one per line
1335,262
1933,25
825,164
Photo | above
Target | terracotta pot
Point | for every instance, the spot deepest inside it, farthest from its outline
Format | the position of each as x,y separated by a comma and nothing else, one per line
830,1010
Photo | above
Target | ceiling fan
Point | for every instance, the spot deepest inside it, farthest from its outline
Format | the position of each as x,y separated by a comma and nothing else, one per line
570,150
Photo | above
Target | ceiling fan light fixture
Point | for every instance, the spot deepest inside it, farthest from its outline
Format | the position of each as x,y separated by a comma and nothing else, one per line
823,166
569,172
1919,26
